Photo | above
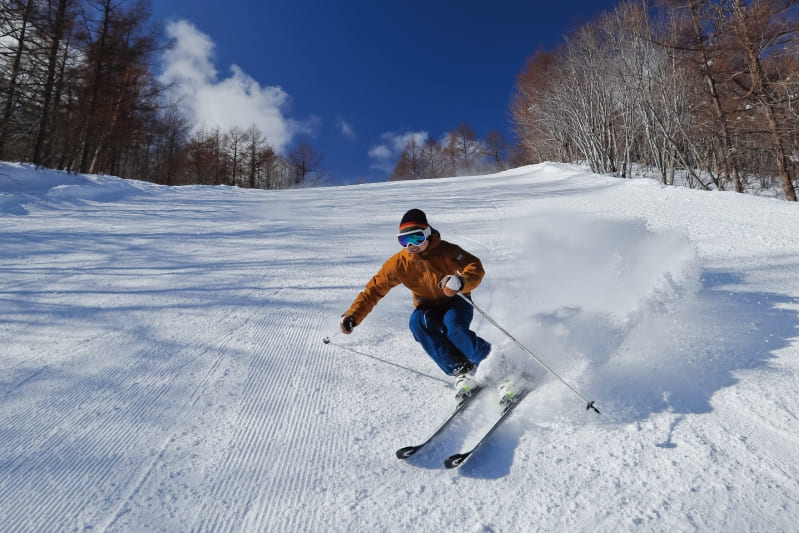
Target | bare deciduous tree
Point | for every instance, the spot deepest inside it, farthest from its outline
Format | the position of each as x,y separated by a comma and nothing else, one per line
702,86
24,11
57,23
254,142
762,29
496,147
303,161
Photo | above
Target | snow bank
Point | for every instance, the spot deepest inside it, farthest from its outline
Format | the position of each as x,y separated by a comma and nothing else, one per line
21,184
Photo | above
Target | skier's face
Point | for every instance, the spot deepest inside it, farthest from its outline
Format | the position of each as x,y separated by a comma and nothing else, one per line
418,249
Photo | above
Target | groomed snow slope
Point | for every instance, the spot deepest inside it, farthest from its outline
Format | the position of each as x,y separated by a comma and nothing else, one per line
162,366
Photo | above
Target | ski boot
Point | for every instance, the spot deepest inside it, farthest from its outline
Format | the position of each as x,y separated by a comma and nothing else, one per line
465,384
508,393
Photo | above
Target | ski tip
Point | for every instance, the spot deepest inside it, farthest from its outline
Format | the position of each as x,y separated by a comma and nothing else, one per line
407,451
454,461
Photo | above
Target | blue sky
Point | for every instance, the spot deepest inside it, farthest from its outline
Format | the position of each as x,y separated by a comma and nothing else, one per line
355,77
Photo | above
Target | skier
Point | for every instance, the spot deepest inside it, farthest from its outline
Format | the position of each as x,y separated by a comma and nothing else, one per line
435,271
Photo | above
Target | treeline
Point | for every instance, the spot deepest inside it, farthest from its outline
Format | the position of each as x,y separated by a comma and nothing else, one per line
459,153
707,89
78,93
244,158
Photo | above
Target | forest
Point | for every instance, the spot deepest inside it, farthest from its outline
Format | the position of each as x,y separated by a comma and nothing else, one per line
706,90
701,93
78,92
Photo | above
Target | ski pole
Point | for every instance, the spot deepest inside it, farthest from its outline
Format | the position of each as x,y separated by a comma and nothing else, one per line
589,405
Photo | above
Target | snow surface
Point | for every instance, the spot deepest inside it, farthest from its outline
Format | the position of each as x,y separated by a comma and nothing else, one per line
162,366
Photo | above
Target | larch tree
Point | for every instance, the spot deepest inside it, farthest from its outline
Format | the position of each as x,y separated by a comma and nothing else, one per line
303,161
763,30
19,16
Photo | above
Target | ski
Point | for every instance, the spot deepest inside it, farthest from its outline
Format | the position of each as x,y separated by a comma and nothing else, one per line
407,451
454,461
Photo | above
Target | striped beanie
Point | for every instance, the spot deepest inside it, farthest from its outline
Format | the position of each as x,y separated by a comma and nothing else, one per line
413,219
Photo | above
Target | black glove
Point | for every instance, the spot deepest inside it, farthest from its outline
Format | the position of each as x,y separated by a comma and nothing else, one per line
346,324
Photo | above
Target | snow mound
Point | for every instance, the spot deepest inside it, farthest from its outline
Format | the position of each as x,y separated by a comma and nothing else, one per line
22,185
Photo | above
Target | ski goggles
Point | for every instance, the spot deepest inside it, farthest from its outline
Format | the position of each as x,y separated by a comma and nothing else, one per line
415,237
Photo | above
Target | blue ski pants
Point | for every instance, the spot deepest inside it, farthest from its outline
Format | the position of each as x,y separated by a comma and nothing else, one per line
444,334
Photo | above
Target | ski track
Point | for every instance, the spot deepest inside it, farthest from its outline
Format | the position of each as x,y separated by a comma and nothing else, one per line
46,444
98,449
277,442
276,410
197,395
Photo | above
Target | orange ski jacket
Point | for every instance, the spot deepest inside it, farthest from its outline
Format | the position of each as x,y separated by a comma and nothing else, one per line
421,274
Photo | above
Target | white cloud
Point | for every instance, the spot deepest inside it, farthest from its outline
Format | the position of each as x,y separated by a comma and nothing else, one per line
238,100
380,152
391,147
346,129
